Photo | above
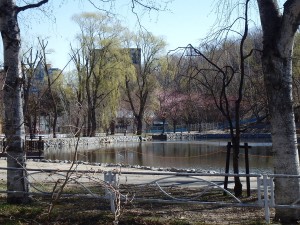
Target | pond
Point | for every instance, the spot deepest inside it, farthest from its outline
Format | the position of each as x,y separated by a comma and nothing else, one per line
200,155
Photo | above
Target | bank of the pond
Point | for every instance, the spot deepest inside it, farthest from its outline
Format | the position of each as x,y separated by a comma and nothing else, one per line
100,140
64,165
109,166
92,141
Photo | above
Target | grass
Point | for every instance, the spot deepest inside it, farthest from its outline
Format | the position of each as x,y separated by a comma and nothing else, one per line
78,210
14,214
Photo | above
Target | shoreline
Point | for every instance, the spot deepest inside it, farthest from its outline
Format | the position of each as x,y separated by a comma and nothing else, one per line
135,175
65,164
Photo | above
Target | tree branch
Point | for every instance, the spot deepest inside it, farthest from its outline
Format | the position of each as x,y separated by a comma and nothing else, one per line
108,12
269,11
290,19
152,7
30,6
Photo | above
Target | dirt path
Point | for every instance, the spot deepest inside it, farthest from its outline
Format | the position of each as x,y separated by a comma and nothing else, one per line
128,175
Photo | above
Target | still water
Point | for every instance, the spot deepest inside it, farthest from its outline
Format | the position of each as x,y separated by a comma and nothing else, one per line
199,155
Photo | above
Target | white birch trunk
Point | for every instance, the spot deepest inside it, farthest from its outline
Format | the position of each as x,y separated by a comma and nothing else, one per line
12,91
278,32
14,120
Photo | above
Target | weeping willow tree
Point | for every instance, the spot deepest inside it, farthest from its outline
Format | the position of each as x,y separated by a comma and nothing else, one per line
101,67
112,66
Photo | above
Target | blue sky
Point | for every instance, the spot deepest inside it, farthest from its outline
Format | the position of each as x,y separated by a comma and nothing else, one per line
185,22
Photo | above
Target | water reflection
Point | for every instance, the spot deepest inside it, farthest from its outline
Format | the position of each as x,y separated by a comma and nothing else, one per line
202,155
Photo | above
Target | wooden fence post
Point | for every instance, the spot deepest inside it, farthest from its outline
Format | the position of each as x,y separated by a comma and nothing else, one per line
227,165
247,168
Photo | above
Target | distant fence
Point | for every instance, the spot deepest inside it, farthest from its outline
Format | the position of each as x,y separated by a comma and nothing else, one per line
34,147
199,127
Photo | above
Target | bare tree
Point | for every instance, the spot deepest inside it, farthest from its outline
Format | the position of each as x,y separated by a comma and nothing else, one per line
30,62
50,81
225,79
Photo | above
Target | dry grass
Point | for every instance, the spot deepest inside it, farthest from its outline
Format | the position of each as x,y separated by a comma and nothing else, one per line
75,210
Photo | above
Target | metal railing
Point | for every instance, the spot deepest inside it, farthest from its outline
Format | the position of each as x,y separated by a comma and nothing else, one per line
263,185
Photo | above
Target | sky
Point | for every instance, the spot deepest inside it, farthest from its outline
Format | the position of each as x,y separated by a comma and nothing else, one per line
185,22
180,25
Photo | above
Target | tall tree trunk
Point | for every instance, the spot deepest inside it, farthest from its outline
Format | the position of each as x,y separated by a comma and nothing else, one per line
34,123
29,124
89,106
14,126
85,125
89,115
54,123
174,126
235,139
77,129
89,119
139,128
235,165
278,33
93,122
49,123
284,137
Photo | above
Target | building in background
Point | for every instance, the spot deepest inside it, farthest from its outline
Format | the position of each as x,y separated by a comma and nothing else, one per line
40,117
135,54
125,119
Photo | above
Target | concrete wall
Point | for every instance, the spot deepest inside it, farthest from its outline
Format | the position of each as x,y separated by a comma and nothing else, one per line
51,142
